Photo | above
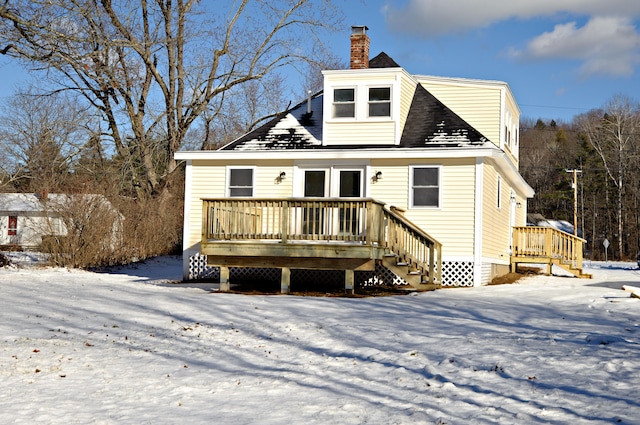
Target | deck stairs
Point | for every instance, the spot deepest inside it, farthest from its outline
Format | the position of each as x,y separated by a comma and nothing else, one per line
411,253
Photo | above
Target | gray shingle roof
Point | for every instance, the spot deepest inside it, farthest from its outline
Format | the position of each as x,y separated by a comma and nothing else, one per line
292,129
429,123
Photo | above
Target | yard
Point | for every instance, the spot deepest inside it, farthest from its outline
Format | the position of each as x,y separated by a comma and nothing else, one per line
132,346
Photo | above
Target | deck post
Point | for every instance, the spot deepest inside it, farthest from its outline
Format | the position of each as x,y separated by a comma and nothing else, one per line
225,286
349,282
285,280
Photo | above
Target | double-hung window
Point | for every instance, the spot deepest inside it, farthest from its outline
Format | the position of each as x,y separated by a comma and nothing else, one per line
240,182
425,186
380,101
344,103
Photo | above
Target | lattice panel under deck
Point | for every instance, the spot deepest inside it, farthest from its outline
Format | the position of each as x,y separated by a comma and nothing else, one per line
454,273
198,268
457,273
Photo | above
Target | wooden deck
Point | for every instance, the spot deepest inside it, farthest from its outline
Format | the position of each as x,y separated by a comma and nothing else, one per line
319,234
545,245
349,234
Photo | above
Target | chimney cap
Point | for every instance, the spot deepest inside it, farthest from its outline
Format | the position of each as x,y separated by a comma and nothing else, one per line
359,29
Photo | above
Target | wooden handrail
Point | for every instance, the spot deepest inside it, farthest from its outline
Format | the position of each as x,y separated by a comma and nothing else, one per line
547,242
292,219
413,245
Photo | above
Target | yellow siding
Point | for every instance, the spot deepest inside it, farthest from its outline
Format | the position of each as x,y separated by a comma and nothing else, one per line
495,221
478,106
360,133
209,181
512,111
407,91
453,223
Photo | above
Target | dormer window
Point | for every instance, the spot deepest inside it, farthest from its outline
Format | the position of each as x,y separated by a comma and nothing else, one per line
380,101
344,103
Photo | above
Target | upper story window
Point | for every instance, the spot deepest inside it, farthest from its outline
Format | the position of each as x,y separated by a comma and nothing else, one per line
344,103
425,187
240,182
380,102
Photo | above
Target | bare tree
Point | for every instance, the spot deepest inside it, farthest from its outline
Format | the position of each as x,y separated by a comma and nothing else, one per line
152,68
614,133
40,137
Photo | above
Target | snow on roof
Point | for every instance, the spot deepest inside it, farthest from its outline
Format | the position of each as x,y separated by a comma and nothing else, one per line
20,202
32,202
295,129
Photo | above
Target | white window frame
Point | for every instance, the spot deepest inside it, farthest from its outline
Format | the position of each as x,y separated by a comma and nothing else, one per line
370,102
354,102
253,180
412,205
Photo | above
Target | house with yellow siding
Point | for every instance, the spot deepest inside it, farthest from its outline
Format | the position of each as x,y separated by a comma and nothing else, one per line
384,176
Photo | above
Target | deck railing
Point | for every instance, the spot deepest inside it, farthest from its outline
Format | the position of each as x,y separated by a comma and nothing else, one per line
413,246
359,221
547,242
289,220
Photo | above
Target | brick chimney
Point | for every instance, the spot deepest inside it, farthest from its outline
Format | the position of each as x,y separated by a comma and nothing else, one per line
359,47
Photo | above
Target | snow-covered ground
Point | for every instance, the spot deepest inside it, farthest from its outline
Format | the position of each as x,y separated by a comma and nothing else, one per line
132,347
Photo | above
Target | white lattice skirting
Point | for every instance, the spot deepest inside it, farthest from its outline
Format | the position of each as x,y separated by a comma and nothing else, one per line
457,273
454,273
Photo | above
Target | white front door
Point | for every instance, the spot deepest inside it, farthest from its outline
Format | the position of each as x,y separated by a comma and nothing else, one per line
331,182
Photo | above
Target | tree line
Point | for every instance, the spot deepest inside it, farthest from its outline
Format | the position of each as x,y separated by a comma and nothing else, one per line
603,145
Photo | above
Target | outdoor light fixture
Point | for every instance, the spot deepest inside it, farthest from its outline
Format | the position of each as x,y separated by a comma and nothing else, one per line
377,176
282,175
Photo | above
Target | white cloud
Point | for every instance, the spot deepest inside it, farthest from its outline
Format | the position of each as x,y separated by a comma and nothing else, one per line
429,18
605,45
608,44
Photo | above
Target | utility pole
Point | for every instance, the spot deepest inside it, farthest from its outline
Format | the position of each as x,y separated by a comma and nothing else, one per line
575,198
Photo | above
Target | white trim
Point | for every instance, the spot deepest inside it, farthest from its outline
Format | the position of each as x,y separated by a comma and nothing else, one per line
477,243
410,204
391,116
361,99
186,250
332,168
227,181
332,90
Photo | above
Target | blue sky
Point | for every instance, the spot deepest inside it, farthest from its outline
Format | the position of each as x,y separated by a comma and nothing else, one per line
560,57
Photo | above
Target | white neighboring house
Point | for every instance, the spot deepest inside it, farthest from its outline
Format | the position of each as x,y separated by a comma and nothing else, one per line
25,218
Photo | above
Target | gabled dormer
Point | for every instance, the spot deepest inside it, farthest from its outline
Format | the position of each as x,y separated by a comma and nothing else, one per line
368,103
